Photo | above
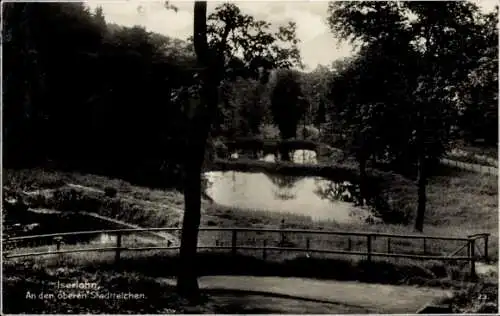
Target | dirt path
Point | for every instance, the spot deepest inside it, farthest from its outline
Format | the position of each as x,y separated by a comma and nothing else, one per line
160,235
470,166
370,298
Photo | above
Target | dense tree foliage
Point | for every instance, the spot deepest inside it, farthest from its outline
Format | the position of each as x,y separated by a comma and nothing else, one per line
288,104
250,49
478,94
315,86
91,96
398,98
244,108
122,96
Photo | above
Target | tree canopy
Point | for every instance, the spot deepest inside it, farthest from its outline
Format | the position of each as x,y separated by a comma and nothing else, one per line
399,98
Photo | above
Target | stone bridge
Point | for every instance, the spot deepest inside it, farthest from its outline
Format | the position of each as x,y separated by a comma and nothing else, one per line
269,146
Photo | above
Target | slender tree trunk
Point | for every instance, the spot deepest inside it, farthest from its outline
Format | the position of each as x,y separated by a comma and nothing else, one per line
187,283
187,279
422,132
421,172
422,196
421,180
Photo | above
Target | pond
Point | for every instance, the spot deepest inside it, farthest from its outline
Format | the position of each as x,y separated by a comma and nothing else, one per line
314,197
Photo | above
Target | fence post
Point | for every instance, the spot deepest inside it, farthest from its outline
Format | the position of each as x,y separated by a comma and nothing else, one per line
425,246
389,245
349,244
486,237
233,242
118,247
369,247
264,253
308,243
468,248
472,259
58,243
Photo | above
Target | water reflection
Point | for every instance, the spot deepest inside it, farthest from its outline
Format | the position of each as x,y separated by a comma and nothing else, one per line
284,186
344,191
309,196
25,223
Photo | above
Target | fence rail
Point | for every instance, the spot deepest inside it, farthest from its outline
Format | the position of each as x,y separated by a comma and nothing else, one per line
469,242
243,229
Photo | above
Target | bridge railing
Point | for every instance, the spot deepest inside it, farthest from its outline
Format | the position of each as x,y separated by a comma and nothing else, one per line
287,241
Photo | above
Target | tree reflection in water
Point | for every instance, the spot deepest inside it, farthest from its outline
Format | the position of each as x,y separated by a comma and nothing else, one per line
284,186
339,191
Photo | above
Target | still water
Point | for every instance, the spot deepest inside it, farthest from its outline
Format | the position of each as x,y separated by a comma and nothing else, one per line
26,223
314,197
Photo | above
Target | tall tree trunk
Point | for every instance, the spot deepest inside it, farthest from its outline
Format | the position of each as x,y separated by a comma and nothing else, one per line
422,132
421,180
422,196
187,280
421,164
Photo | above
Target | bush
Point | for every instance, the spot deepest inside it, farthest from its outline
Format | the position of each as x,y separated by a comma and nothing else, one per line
269,131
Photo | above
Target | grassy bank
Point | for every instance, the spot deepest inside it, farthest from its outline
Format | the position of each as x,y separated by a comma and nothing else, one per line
133,204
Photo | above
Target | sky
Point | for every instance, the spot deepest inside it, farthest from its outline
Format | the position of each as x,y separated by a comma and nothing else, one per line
318,46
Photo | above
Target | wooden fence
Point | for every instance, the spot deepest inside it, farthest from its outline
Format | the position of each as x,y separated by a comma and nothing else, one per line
469,243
